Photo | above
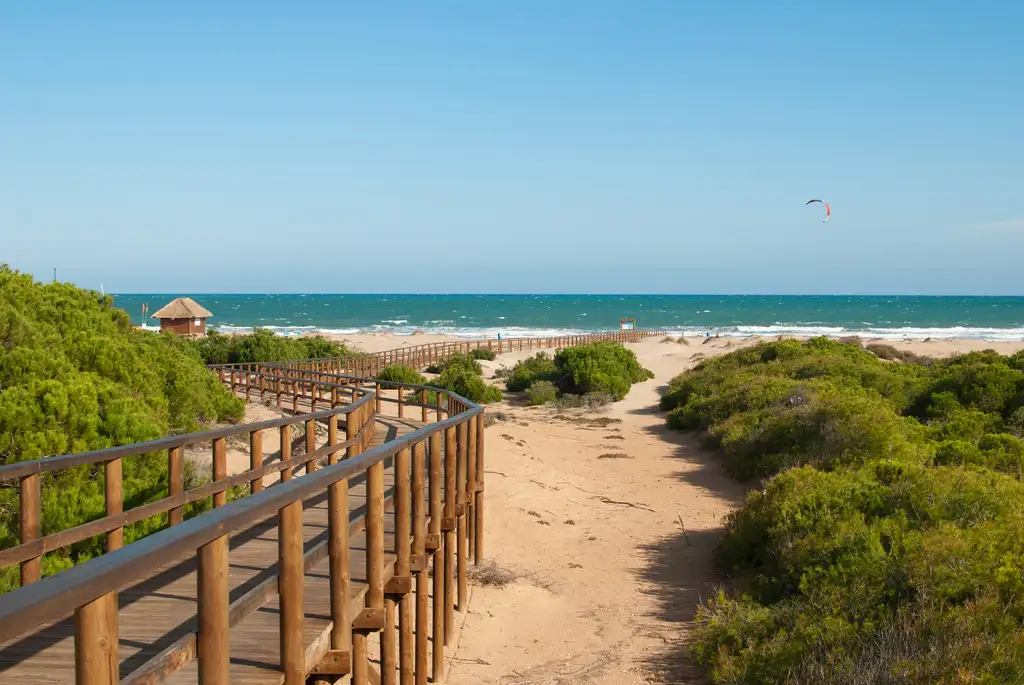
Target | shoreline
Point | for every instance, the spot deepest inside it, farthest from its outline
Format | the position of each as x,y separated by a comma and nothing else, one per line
934,347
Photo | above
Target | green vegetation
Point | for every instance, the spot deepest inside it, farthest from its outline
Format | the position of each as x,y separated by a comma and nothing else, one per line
76,376
400,373
459,360
483,353
602,371
263,346
887,545
541,392
461,374
525,373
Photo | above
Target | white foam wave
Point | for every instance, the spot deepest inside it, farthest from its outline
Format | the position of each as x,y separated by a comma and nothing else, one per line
901,333
444,327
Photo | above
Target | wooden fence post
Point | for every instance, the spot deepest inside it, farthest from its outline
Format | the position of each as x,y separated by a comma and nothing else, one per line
338,547
255,459
114,491
419,559
213,636
448,525
30,527
175,482
96,640
478,496
436,553
460,513
290,584
220,469
286,449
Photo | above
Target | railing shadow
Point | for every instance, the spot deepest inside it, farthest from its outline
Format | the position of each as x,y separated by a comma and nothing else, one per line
679,569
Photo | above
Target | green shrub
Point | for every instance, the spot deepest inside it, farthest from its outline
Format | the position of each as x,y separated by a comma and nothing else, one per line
526,372
458,360
602,367
75,375
400,373
888,542
263,346
461,375
483,353
541,392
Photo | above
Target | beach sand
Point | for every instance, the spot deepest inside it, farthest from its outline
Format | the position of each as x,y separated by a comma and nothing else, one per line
379,342
608,522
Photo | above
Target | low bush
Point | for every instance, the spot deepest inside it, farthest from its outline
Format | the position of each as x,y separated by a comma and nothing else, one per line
600,370
541,392
400,373
602,367
263,346
525,373
459,360
461,375
887,544
484,354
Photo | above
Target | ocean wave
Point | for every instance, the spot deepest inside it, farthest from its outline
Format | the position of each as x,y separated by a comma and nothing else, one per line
444,327
884,333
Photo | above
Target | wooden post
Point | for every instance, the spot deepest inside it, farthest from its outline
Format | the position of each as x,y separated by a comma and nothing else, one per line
436,491
388,648
338,546
30,527
310,444
423,401
375,542
403,552
401,403
113,489
377,402
255,459
478,496
450,467
220,469
471,487
175,482
419,550
290,587
96,642
460,511
286,449
213,611
439,399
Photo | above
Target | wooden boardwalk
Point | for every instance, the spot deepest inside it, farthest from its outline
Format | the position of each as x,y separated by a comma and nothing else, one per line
160,612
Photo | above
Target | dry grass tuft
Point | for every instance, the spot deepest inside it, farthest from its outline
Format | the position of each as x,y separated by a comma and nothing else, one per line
492,575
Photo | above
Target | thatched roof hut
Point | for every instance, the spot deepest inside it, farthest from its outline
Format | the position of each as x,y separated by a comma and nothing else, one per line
184,316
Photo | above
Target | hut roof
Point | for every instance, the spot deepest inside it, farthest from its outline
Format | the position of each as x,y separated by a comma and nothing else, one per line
182,308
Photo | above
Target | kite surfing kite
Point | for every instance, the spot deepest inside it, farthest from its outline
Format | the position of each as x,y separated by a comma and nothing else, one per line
828,210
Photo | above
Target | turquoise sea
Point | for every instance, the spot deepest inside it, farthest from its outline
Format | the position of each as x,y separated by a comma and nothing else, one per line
989,318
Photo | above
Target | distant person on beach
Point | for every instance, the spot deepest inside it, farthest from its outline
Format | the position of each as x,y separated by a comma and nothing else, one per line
499,337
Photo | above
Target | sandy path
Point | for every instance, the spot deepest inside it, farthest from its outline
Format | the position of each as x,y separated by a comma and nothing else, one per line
589,510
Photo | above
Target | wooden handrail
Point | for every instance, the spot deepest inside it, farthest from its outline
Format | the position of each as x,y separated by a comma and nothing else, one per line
437,497
90,589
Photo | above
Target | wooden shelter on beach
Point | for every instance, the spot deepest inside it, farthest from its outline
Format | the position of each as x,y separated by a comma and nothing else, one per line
183,316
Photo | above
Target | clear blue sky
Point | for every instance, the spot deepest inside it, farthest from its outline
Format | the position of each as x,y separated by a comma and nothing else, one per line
514,146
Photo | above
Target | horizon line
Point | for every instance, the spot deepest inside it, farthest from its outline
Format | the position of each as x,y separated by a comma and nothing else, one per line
180,293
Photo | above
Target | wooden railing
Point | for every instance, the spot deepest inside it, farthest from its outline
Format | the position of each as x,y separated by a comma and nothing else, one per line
420,356
438,508
438,519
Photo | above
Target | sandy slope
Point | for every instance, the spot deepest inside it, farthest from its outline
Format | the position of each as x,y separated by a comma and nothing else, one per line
610,528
